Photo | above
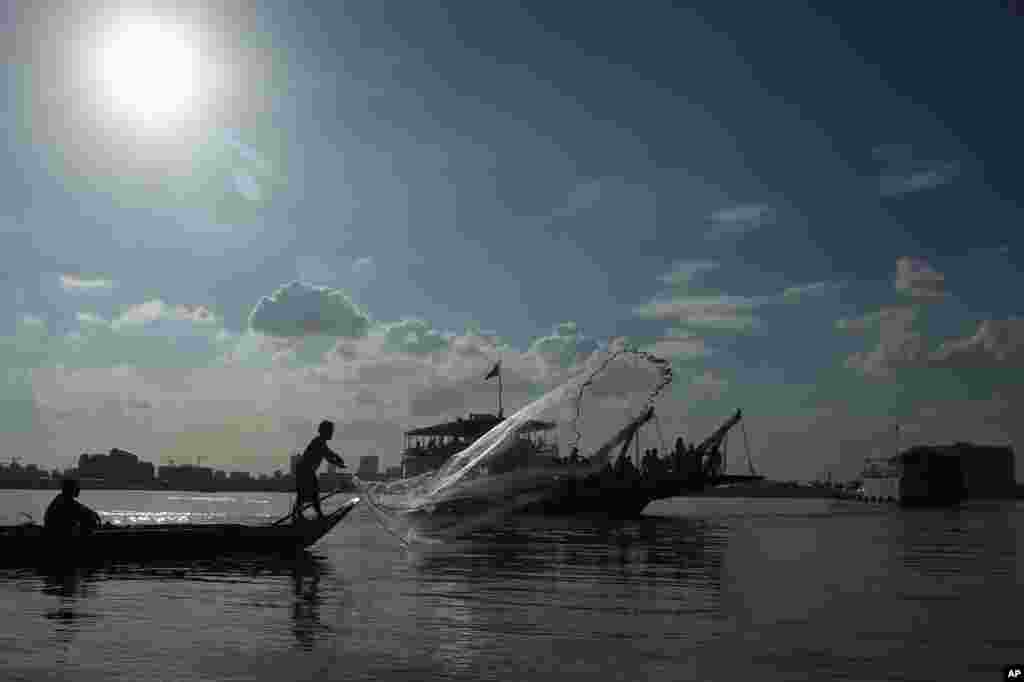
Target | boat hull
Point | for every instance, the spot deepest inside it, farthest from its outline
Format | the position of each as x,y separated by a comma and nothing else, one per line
29,544
605,496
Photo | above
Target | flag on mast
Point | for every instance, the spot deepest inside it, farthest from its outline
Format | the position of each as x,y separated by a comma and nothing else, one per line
495,371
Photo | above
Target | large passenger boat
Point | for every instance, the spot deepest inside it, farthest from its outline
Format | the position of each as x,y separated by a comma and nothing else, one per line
532,476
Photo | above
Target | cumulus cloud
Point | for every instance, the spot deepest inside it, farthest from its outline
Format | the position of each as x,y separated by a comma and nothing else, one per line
297,310
899,346
564,347
155,310
76,283
738,220
413,336
200,387
996,343
726,312
873,320
918,279
719,311
678,344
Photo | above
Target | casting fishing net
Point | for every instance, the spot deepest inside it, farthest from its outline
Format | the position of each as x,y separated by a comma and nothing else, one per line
470,477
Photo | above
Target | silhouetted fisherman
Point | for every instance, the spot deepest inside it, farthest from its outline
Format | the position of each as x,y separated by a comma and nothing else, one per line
66,516
307,487
679,457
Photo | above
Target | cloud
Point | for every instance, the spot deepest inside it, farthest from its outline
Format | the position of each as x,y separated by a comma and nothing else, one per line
155,310
918,279
413,336
168,380
996,343
928,176
298,310
738,220
799,293
872,320
684,272
899,345
678,344
564,347
80,283
725,312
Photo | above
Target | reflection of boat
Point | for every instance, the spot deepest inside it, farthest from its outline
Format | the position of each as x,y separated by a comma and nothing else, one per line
28,543
531,477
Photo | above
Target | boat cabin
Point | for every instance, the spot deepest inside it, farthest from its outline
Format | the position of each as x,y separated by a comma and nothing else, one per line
427,448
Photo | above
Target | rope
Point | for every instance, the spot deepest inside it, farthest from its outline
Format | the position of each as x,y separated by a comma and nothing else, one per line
725,451
661,436
746,445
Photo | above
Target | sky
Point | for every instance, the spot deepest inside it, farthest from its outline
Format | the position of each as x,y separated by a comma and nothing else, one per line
223,223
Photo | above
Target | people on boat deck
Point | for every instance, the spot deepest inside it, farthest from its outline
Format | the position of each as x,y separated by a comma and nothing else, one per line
66,515
651,463
624,467
307,487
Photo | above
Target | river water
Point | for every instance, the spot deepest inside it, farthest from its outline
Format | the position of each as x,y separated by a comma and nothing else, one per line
699,589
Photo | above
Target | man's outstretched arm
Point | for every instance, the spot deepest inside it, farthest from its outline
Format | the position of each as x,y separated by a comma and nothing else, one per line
334,458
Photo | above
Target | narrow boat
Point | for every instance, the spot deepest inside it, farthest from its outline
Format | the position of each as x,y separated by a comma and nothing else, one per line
28,543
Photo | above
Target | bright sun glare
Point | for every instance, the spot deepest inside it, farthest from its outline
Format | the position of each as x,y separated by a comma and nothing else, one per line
150,69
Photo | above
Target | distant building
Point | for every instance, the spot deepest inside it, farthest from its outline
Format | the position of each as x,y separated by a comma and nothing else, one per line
186,477
927,472
988,470
117,468
16,476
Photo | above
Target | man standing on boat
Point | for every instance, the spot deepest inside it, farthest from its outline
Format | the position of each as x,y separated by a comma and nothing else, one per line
67,516
307,487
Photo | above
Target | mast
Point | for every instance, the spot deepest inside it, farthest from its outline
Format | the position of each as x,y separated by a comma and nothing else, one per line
624,436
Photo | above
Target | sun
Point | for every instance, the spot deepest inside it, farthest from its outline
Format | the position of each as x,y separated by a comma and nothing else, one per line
149,70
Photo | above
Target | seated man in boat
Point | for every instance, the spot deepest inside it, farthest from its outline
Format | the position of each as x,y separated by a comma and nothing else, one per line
67,516
306,484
